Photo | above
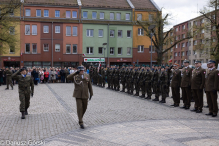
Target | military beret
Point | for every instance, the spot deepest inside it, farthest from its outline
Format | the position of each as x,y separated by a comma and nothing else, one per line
211,61
186,61
147,66
126,66
167,66
117,65
162,66
130,65
198,61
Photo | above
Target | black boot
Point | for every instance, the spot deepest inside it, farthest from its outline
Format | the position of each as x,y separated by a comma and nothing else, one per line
123,90
156,99
163,100
142,96
149,97
22,115
26,113
6,88
137,94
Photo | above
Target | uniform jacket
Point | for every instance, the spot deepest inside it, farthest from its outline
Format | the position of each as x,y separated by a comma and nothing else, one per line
211,81
163,78
24,83
176,79
186,75
81,85
155,76
198,78
8,73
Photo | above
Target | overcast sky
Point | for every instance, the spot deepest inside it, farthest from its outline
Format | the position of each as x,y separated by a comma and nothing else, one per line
181,10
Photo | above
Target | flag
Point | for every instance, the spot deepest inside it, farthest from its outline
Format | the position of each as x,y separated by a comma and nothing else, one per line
21,53
170,60
84,55
99,66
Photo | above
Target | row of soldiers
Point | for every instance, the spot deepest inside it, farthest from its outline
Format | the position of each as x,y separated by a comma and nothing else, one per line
192,82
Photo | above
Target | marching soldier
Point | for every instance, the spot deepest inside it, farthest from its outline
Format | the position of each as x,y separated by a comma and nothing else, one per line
186,84
82,86
8,74
148,77
211,87
155,83
175,85
24,84
163,81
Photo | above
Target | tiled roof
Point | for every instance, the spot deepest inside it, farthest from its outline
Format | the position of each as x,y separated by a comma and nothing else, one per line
106,3
53,2
143,4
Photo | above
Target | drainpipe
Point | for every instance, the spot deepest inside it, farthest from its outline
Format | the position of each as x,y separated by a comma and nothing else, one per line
108,45
52,44
23,12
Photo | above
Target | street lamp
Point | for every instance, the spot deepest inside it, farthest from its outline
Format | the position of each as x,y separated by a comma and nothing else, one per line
151,27
104,44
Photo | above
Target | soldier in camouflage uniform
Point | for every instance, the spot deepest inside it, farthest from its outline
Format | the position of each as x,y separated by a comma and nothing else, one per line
108,76
8,74
136,80
91,73
155,83
148,77
130,80
102,78
168,70
126,77
141,81
122,76
163,82
116,78
24,84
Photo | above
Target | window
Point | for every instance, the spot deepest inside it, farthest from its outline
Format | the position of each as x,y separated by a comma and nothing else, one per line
12,30
128,33
38,13
57,13
94,15
45,29
195,22
195,42
189,43
176,45
90,32
57,47
120,33
184,27
112,33
128,51
12,50
75,30
139,17
89,50
27,12
68,30
171,34
183,36
203,20
118,16
127,16
111,50
100,32
214,40
187,53
34,48
140,48
68,49
57,29
203,31
111,16
74,14
27,29
68,14
153,49
179,53
45,47
11,12
75,49
101,15
194,52
214,27
202,41
84,14
100,50
179,45
176,29
176,38
119,51
34,29
140,31
46,13
150,17
27,48
175,54
171,50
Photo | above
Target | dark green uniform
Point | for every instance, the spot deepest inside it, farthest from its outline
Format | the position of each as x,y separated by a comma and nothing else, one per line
108,76
130,81
163,79
116,79
122,76
142,83
24,84
148,82
136,81
8,78
155,84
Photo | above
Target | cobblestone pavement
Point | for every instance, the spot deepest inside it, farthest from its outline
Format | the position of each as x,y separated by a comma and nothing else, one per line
112,118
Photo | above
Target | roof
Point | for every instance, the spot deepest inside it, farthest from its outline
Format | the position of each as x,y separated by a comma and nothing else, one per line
106,3
53,2
143,4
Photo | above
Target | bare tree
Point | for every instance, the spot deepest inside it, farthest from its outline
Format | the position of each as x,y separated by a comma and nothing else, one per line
160,38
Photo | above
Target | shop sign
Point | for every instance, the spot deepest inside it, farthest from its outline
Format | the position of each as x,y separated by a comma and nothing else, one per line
94,60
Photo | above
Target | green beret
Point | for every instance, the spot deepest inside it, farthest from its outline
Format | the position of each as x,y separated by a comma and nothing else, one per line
162,66
130,65
186,61
167,66
198,61
147,66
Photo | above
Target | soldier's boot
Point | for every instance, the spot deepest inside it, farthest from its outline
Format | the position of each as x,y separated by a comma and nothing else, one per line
12,87
163,100
131,93
142,96
26,113
148,97
6,88
123,90
22,115
167,95
137,94
156,99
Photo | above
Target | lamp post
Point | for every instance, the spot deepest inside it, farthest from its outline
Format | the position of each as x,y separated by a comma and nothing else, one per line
151,27
104,44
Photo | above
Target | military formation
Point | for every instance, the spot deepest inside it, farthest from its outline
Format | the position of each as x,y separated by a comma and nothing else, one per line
192,82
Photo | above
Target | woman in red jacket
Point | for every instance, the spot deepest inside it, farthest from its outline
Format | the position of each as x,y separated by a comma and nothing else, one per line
46,76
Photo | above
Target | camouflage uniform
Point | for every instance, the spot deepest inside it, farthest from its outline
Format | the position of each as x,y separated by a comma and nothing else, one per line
148,80
155,85
142,83
116,79
136,81
163,79
9,79
122,74
131,81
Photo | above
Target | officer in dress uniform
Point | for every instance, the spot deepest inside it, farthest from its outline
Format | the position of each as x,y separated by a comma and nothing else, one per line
197,85
82,86
211,87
